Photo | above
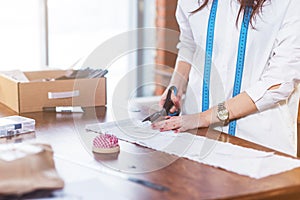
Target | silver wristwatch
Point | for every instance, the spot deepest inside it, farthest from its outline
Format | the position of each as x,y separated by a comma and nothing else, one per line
223,113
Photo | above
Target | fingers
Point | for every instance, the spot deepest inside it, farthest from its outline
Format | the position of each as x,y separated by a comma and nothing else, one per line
179,123
162,102
163,99
172,123
177,104
167,117
173,109
176,99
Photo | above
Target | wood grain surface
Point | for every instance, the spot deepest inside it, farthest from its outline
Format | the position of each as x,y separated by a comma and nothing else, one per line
185,179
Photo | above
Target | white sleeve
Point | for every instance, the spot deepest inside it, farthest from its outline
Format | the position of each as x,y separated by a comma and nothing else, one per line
284,64
186,46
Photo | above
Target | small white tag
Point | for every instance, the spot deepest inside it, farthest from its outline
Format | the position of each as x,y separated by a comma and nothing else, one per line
68,109
61,95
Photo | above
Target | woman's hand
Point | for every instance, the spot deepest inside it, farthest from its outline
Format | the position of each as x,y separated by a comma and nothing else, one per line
176,99
182,123
238,106
179,80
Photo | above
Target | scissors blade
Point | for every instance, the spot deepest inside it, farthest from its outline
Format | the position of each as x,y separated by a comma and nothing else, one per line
147,118
166,107
155,116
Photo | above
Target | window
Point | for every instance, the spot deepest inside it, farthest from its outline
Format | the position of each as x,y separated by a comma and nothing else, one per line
38,34
21,34
76,27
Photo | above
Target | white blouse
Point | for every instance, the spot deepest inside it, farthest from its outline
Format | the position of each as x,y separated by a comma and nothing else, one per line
272,57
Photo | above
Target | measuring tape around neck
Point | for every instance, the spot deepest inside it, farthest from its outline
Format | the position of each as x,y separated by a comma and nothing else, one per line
208,55
239,63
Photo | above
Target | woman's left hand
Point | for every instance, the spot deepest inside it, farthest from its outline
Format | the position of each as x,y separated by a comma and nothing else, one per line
182,123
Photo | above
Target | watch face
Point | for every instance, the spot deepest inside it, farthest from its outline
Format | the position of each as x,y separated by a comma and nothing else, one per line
223,115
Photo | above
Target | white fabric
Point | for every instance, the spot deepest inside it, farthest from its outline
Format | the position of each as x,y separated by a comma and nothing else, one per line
237,159
272,58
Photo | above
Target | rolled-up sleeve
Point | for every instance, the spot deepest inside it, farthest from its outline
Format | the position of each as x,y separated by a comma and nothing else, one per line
186,46
284,64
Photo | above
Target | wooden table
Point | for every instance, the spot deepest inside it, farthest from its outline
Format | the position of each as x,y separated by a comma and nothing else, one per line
185,179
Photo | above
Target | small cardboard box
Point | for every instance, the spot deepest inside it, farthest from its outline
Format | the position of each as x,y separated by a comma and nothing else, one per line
42,90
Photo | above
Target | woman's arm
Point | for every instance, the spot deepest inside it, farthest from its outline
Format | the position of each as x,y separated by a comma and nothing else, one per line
238,107
186,48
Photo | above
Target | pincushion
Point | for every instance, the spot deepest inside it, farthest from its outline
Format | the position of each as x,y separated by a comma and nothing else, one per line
106,143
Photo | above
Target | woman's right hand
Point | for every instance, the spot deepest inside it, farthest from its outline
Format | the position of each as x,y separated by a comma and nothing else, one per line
179,80
176,99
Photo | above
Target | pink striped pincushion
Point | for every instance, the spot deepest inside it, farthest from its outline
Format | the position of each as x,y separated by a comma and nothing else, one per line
106,143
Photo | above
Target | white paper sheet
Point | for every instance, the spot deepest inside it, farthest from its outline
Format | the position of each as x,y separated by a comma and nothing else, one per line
234,158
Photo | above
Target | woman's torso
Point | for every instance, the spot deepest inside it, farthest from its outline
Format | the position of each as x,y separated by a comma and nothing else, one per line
270,127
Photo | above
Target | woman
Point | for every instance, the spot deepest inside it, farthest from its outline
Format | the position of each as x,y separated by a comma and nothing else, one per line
248,77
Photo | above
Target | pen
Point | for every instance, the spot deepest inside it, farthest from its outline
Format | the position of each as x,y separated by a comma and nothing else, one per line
149,184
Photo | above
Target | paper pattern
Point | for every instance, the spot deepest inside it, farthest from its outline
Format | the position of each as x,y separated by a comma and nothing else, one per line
234,158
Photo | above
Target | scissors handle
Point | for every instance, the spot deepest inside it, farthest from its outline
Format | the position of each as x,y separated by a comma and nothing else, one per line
169,103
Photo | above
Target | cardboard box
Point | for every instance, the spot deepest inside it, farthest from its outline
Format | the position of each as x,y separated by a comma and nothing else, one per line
40,91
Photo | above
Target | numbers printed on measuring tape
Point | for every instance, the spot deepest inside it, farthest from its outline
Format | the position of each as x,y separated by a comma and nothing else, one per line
239,62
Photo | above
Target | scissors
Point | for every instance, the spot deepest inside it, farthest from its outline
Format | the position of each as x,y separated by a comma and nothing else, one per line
166,107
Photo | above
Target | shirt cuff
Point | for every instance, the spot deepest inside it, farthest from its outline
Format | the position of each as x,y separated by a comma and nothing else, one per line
265,99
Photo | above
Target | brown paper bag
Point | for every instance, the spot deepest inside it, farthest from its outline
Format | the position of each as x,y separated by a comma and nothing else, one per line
29,173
